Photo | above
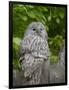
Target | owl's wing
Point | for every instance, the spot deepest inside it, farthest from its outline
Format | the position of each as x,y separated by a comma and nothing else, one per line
25,46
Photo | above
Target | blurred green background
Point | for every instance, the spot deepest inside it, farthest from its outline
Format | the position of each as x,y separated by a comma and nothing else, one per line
53,19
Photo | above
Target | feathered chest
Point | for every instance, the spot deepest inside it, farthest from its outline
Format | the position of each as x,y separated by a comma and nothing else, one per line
37,46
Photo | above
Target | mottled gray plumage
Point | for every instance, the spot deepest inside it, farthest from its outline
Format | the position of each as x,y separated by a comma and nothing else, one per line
33,51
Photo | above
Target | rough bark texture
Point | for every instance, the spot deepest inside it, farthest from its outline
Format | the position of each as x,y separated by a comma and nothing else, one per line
57,71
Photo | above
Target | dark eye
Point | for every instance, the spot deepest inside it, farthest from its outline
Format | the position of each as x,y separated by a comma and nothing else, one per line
40,29
34,29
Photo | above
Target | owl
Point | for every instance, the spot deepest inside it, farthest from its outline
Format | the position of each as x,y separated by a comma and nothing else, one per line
34,51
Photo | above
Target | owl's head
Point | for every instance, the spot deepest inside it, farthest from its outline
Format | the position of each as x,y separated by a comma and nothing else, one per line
36,28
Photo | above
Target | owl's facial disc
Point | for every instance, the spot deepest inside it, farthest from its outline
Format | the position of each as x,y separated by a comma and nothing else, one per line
35,28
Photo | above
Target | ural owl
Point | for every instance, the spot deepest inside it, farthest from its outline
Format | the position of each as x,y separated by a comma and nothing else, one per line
33,52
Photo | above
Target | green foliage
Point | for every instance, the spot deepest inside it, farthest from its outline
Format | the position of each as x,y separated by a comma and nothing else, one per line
53,59
55,44
16,43
53,19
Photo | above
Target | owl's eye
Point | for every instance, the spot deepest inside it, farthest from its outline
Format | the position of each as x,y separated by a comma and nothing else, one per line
34,29
41,29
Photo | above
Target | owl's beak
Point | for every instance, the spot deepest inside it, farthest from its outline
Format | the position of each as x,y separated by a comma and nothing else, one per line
37,30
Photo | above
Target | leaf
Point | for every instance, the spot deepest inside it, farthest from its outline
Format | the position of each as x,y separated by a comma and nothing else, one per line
53,59
58,20
61,14
24,18
49,18
16,41
31,14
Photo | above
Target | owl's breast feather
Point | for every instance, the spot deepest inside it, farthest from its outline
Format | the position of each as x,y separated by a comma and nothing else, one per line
39,48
